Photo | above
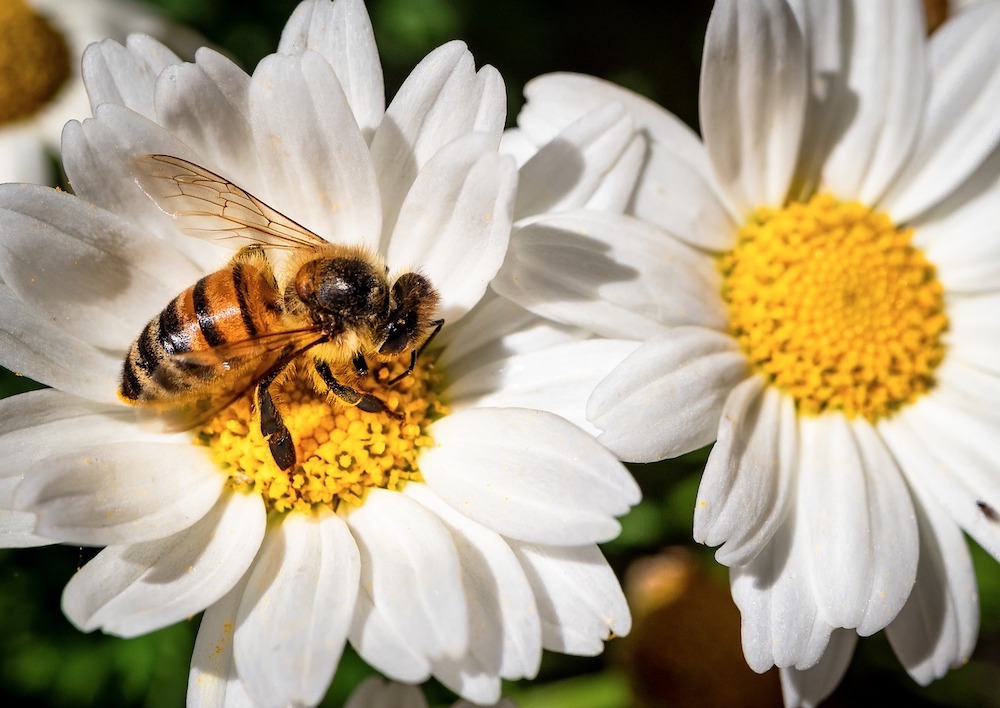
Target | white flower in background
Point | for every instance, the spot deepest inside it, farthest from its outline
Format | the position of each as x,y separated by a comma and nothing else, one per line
41,42
816,286
458,543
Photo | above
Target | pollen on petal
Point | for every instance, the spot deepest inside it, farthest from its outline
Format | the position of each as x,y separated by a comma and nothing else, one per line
832,303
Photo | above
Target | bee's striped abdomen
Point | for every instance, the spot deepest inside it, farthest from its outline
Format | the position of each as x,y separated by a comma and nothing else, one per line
231,305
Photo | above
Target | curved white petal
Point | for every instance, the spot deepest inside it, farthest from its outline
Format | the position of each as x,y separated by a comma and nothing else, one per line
292,621
753,99
454,224
936,630
133,589
505,636
614,275
869,83
686,376
529,475
17,530
496,329
579,599
558,379
45,352
213,681
859,522
409,561
780,622
300,117
442,99
746,489
206,105
676,191
566,171
382,646
809,687
125,492
341,33
950,453
125,76
82,268
961,127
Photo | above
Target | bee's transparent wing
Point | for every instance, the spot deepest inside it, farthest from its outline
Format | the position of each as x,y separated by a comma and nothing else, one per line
237,368
213,208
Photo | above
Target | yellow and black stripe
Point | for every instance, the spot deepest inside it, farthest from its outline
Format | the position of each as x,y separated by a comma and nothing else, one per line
234,304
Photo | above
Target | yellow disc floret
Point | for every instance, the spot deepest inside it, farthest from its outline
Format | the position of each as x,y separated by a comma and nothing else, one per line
835,306
34,61
341,451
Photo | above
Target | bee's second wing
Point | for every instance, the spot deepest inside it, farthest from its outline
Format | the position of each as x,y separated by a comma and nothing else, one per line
211,207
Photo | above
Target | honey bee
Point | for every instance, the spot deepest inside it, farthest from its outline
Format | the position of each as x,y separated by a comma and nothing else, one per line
330,306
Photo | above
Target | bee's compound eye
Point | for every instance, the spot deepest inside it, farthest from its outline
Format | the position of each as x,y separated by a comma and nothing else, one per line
398,334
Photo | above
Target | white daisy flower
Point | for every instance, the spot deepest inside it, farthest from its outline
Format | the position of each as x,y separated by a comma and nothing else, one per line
41,87
452,535
815,284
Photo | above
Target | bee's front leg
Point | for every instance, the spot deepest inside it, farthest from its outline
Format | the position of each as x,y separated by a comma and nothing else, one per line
364,401
272,426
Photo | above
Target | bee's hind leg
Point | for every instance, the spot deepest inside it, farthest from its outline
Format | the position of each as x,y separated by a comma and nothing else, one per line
364,401
272,426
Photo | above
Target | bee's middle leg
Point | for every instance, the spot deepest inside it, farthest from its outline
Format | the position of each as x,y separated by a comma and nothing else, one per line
272,425
364,401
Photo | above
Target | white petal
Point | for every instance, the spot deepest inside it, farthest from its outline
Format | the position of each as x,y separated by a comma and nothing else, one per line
126,75
961,236
677,189
84,269
859,522
299,601
382,647
374,692
951,454
579,599
342,33
961,126
44,352
754,57
558,379
300,117
809,687
23,156
442,99
129,590
746,488
454,224
17,530
40,424
936,629
564,173
685,376
529,475
780,622
612,274
125,492
410,563
615,190
869,84
213,681
206,105
496,329
505,636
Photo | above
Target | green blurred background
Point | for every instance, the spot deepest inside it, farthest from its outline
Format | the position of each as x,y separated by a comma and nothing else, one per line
684,649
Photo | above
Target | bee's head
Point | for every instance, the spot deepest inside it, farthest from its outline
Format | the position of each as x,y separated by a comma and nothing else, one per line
351,289
414,301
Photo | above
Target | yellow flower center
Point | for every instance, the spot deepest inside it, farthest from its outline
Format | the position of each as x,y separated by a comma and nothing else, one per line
341,451
833,304
34,61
